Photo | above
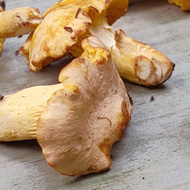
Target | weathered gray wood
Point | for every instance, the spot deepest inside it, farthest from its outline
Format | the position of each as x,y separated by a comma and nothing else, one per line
155,150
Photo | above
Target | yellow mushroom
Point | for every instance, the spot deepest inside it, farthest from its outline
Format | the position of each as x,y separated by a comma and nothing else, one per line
135,61
19,21
184,4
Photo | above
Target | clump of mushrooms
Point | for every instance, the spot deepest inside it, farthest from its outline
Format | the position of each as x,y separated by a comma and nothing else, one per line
77,121
66,23
63,26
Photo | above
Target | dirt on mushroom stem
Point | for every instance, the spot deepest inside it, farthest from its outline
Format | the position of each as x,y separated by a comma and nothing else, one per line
135,61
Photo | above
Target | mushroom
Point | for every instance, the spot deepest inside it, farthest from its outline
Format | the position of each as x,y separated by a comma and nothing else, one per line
82,121
138,62
19,21
77,121
2,40
63,27
52,39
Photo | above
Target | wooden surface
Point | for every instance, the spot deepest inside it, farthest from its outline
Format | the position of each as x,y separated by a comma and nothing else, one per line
154,152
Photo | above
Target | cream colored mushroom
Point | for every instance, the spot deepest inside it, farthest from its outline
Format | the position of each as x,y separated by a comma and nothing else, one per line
19,112
82,121
19,21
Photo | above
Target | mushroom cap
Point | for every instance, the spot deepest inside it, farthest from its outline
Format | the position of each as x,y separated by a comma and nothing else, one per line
64,26
82,121
19,21
58,31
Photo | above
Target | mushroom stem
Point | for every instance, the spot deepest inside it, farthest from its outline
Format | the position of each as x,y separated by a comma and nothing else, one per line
20,112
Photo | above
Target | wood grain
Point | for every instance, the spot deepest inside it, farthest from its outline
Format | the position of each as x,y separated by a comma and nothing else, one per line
155,150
